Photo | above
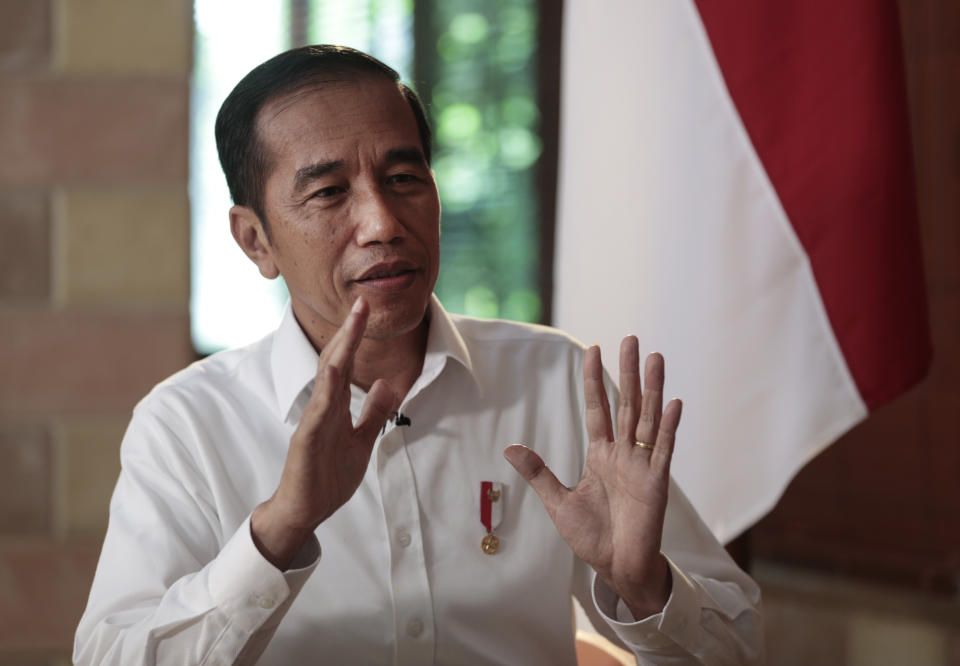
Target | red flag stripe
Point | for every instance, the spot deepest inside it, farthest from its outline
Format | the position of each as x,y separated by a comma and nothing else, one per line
819,86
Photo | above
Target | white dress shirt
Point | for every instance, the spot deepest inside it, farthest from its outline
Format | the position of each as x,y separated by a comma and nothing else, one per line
402,578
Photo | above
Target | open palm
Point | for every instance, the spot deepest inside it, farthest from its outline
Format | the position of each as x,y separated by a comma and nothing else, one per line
613,517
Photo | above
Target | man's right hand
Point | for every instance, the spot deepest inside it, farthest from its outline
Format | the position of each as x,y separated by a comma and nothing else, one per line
328,455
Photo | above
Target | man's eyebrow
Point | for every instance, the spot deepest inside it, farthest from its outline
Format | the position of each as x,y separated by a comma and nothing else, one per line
408,154
306,174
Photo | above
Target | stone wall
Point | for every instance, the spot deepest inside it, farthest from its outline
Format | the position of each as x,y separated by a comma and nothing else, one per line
94,281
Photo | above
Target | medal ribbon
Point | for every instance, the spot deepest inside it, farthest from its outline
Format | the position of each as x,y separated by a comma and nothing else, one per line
491,504
486,504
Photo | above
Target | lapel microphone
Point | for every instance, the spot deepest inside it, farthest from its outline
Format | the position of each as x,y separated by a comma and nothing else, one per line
399,419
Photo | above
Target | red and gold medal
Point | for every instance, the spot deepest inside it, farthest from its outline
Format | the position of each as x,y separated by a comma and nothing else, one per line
491,513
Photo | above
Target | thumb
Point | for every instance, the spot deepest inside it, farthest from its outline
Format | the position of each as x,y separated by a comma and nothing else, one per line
535,472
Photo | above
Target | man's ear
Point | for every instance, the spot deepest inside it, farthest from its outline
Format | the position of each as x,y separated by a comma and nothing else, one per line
252,238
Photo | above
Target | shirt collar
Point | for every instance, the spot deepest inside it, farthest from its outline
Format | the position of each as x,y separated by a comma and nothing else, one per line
293,359
444,340
293,362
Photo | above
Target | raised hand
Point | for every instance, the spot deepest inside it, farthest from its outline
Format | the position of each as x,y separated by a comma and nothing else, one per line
613,517
328,455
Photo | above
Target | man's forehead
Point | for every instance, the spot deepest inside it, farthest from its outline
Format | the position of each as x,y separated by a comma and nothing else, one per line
320,125
329,97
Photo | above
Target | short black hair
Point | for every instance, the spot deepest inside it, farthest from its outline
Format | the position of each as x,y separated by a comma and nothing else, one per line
242,155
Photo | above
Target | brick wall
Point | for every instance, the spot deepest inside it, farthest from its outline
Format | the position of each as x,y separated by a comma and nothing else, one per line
94,259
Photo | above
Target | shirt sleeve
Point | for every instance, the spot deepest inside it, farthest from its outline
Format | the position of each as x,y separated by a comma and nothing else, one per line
170,587
713,613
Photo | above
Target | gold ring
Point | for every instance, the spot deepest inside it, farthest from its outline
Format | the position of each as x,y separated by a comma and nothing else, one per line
644,445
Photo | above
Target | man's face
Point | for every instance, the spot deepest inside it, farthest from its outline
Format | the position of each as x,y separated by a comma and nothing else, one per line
352,206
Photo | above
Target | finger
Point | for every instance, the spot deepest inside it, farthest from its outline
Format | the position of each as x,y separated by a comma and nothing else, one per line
599,426
627,411
339,351
334,367
663,451
533,470
325,391
349,335
380,403
652,403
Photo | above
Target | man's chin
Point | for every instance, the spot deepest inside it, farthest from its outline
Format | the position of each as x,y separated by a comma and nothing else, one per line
385,323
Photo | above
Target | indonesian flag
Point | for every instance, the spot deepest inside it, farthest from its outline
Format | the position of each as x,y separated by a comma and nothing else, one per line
736,189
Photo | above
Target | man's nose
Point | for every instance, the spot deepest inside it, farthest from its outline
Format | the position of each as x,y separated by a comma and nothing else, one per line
377,221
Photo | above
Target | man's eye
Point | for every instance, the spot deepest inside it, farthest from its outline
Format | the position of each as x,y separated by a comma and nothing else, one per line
327,192
399,178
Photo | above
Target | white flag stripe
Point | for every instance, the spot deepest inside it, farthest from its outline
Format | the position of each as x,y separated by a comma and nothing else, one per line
669,228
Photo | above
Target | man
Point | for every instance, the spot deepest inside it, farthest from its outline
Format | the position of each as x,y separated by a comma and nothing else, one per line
370,427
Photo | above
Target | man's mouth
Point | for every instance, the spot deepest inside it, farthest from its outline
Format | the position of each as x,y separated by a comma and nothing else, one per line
388,275
385,274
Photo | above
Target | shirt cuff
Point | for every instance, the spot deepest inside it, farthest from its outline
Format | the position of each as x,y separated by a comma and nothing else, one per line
248,588
675,624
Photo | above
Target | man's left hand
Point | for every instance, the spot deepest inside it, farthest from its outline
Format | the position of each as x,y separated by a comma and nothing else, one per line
613,517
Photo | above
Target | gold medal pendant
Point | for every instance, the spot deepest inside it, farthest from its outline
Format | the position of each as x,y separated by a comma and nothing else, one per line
490,544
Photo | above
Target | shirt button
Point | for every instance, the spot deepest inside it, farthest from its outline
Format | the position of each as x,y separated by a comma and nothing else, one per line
403,538
414,627
390,445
